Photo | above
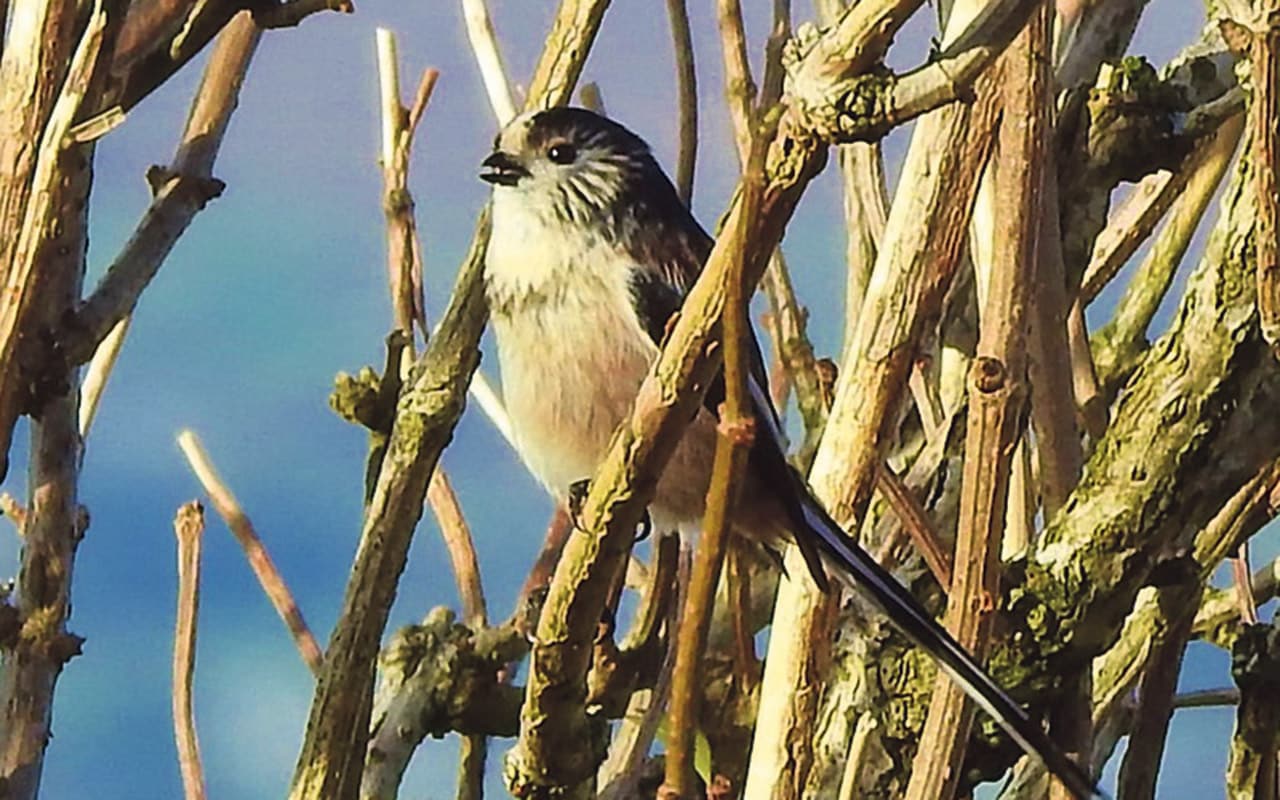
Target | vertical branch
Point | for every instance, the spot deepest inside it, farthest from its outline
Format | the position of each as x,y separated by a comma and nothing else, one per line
686,98
1264,114
736,433
1177,603
1255,666
920,250
41,86
188,526
865,203
996,394
42,246
404,270
273,585
1053,400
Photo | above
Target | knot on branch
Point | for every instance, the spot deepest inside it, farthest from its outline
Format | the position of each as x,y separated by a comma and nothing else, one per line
355,399
861,109
1255,660
41,633
741,432
989,374
1130,128
193,189
369,399
397,202
441,676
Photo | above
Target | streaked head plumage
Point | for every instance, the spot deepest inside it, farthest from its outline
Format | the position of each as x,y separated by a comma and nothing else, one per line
573,163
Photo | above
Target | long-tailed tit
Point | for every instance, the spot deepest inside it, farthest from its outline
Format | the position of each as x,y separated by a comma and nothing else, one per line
591,253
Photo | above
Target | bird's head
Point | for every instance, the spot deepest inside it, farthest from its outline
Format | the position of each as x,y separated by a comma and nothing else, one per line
571,162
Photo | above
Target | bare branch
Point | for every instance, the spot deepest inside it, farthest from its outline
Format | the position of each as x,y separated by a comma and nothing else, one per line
225,503
95,378
11,508
736,434
1117,346
180,191
686,98
188,525
996,394
1264,118
40,102
1255,666
484,43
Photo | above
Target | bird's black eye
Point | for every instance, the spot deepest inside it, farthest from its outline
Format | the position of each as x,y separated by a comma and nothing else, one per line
563,153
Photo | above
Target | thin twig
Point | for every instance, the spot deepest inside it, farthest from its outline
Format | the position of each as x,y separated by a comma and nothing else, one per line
1093,404
1049,367
543,566
1241,578
996,395
225,503
686,98
1207,698
916,523
404,261
11,508
96,374
736,434
774,72
484,43
1139,769
404,270
461,546
188,525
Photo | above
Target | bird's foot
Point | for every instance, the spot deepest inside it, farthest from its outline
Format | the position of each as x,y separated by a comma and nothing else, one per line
577,497
645,528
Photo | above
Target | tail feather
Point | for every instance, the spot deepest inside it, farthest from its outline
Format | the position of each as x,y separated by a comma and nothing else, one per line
861,570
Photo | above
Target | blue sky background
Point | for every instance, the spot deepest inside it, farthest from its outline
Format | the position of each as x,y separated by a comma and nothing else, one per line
277,286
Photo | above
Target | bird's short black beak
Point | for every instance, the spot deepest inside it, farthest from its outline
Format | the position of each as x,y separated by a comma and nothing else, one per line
502,169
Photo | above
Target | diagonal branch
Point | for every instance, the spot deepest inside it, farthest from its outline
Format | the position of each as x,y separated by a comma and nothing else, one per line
179,191
273,585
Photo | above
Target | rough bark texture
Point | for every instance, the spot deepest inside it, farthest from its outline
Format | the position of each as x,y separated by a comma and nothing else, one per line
1193,425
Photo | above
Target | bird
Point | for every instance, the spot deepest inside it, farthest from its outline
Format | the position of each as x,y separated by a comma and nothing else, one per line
591,253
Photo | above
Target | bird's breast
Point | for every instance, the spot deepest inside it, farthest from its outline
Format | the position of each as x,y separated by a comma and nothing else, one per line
571,351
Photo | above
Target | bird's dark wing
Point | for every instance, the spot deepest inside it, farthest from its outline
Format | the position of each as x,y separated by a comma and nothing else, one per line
669,266
658,293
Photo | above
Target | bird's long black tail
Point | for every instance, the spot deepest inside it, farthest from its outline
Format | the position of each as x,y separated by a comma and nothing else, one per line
861,571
